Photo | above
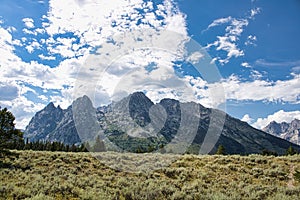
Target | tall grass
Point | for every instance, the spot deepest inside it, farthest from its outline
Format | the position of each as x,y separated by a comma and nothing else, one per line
60,175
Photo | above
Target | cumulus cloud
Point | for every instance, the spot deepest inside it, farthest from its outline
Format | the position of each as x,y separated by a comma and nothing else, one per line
279,116
8,92
247,118
41,56
19,77
262,90
71,34
245,64
195,57
33,46
29,22
23,109
239,90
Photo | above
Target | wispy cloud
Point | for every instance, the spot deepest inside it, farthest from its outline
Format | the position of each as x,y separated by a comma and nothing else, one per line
228,42
296,69
218,22
265,63
254,12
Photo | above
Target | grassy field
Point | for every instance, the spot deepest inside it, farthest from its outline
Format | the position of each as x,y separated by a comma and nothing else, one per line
59,175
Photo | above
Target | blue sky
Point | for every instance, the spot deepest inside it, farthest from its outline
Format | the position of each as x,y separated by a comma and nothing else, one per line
49,52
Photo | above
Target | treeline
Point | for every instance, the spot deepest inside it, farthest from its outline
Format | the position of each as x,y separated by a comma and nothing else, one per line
20,144
46,146
99,146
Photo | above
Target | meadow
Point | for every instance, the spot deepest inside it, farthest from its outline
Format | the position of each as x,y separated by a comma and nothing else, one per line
107,175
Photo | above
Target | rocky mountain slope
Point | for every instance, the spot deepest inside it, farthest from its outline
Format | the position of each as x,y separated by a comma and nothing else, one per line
287,131
136,124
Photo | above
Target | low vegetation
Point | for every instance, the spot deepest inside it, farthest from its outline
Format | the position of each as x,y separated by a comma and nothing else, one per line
67,175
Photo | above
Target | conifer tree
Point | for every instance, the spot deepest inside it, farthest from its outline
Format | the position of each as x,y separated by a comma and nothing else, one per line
9,135
99,145
221,150
290,151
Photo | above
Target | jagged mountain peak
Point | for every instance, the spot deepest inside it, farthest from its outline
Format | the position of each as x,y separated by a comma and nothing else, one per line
51,106
138,94
44,122
288,131
295,123
82,100
131,121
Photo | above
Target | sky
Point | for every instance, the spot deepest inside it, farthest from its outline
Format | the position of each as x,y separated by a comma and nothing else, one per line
238,56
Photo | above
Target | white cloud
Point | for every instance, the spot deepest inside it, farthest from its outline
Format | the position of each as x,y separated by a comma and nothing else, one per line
195,57
43,97
236,27
34,32
209,95
247,118
254,12
296,69
23,109
8,91
6,41
279,116
33,46
220,21
95,22
92,23
239,90
41,56
261,90
245,64
225,43
11,29
255,75
116,17
265,63
228,42
15,74
251,40
29,22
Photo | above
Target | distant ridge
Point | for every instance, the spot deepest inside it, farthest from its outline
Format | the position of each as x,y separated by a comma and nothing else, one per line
288,131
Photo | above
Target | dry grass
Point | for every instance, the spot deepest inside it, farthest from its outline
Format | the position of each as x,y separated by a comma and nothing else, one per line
58,175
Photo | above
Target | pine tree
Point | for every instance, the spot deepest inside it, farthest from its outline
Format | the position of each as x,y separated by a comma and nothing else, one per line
221,150
99,145
85,147
9,135
290,151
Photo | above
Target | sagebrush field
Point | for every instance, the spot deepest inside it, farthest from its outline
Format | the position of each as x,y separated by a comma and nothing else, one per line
59,175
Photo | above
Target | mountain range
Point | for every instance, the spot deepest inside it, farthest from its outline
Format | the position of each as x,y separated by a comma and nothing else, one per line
288,131
136,124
